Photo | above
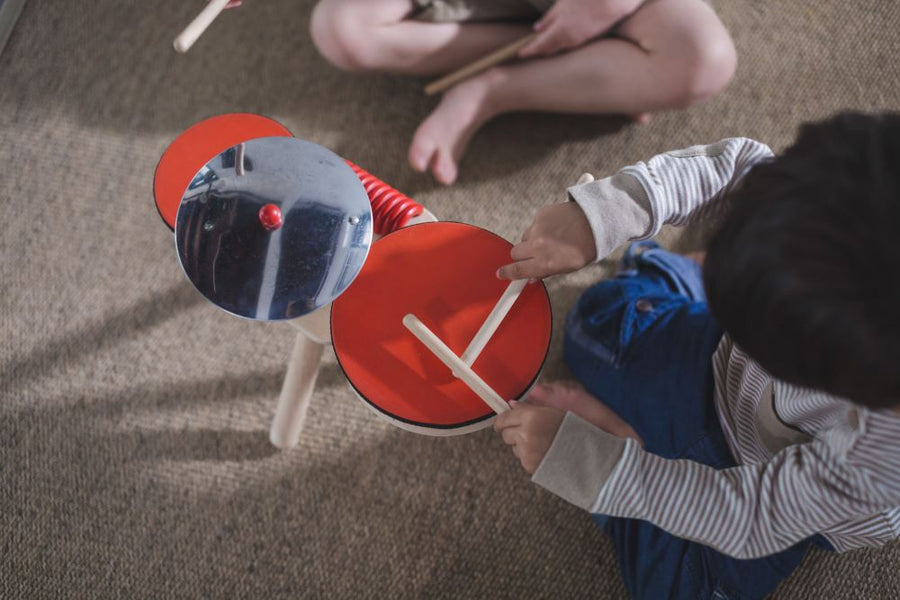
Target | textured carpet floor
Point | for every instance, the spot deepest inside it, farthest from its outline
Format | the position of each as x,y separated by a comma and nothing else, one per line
134,460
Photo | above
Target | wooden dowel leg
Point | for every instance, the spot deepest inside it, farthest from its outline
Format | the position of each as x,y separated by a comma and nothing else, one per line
296,392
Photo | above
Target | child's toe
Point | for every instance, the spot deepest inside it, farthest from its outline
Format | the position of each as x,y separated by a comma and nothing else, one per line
443,168
420,154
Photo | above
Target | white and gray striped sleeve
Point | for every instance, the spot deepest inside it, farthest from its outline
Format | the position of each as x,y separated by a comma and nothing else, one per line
676,187
745,511
693,184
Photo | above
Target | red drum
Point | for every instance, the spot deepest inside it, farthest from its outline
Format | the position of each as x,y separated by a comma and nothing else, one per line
444,273
196,146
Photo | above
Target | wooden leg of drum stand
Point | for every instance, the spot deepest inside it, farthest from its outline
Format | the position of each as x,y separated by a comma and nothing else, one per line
314,333
296,391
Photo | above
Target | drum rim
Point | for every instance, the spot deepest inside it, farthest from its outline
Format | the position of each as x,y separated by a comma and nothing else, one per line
447,431
418,426
341,165
195,124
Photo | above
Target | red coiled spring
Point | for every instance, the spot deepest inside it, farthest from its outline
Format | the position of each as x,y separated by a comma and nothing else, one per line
391,210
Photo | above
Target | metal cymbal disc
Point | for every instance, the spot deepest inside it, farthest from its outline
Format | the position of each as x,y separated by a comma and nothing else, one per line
190,151
273,228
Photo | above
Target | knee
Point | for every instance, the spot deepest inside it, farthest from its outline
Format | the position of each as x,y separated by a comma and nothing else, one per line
708,66
339,32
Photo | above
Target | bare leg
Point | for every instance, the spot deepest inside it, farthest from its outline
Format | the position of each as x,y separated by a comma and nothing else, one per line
670,53
573,398
377,35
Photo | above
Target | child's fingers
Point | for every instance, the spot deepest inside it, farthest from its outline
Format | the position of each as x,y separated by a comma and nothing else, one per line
518,270
550,41
546,20
505,420
528,50
531,268
519,452
526,235
523,255
510,418
539,47
538,394
522,250
511,435
544,27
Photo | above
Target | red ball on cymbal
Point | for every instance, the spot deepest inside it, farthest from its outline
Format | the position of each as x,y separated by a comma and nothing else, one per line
270,217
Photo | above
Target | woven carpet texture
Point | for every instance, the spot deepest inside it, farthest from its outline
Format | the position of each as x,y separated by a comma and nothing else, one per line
134,415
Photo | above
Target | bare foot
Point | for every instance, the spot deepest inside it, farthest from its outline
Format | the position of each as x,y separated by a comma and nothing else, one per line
569,396
441,139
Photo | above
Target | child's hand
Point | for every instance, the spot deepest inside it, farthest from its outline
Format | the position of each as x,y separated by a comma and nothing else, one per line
559,240
529,430
570,23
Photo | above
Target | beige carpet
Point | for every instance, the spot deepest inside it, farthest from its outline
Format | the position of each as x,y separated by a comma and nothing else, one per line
134,460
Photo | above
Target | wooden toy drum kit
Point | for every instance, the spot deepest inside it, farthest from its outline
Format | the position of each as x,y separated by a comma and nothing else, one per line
271,227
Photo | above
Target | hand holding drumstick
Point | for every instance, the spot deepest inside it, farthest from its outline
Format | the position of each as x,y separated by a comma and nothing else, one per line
571,23
558,241
482,64
568,24
528,428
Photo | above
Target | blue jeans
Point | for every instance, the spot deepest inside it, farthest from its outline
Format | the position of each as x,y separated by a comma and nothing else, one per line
643,343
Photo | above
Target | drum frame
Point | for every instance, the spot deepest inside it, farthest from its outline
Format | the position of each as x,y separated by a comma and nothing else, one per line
304,363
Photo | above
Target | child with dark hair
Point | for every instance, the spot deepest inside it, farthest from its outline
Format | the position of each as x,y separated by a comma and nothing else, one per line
723,429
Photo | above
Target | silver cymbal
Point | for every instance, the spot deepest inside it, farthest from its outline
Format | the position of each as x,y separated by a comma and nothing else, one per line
273,228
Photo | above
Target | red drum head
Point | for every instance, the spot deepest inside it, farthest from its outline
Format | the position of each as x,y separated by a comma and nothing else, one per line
196,146
444,273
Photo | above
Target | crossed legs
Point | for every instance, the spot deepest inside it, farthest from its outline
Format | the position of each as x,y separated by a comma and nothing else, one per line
667,54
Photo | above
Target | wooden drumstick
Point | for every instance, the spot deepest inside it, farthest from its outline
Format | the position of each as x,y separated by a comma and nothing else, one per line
490,325
455,364
193,31
482,64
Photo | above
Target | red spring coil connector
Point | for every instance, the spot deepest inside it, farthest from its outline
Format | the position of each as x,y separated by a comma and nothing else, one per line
391,210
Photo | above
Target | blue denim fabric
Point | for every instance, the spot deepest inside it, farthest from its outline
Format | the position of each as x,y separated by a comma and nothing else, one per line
643,344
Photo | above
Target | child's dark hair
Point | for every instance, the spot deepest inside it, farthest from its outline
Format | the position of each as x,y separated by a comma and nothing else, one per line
804,273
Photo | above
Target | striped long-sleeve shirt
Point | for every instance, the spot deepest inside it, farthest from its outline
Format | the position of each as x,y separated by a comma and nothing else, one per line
807,462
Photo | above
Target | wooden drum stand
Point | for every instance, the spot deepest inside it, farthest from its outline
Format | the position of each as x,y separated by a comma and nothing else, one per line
270,227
